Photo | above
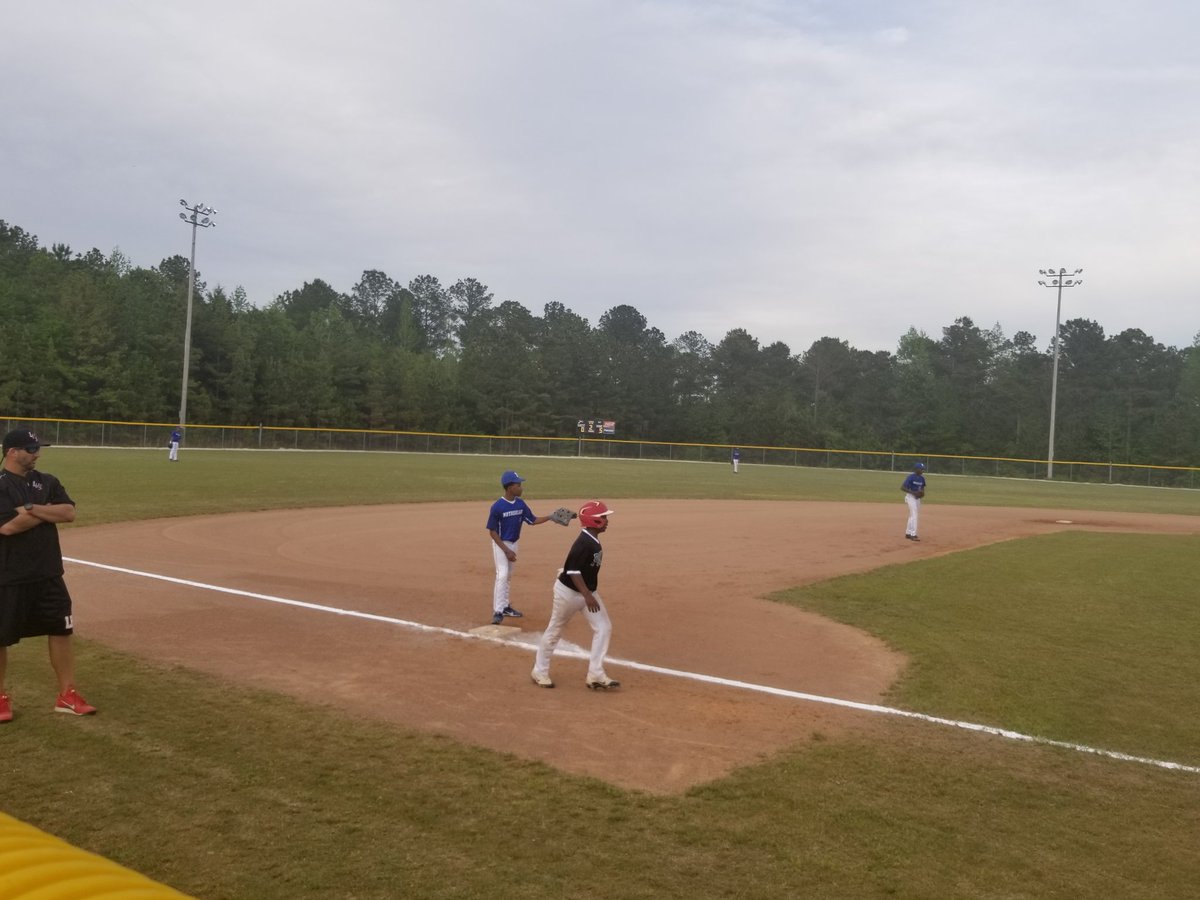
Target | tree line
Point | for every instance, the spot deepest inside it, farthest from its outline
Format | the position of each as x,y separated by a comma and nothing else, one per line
89,335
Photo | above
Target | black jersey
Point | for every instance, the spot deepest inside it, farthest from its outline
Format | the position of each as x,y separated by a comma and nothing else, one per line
584,559
34,554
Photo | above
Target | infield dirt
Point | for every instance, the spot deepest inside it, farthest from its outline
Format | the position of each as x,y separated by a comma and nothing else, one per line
684,582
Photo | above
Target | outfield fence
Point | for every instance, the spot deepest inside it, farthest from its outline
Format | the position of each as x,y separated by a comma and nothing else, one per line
142,435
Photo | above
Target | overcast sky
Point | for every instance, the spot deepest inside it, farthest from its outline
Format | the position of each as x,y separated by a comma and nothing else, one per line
799,169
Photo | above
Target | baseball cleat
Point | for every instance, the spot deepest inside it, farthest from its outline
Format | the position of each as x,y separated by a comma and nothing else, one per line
512,613
541,680
72,704
497,618
603,684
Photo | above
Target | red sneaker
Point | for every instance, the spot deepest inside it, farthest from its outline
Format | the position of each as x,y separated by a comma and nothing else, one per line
73,705
5,708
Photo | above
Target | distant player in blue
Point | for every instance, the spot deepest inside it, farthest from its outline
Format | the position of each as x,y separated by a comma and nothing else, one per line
735,458
914,490
176,437
505,519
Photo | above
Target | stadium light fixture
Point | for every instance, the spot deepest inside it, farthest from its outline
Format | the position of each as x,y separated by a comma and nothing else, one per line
1059,279
201,217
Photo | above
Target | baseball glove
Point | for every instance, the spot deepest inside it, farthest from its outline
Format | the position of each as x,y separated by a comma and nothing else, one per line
918,494
562,515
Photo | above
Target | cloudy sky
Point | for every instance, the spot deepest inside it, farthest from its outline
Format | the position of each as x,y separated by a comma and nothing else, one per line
799,169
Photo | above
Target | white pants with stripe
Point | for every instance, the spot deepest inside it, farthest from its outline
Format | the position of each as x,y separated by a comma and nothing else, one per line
914,510
504,570
568,602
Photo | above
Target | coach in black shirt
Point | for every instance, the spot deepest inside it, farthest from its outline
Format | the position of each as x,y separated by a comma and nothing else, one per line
33,596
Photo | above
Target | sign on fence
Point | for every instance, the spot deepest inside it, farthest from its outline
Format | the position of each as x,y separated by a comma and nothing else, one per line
597,426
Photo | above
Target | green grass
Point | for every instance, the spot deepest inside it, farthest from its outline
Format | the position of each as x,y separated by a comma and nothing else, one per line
1088,638
225,792
111,485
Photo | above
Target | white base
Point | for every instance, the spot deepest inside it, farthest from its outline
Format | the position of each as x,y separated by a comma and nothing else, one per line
496,631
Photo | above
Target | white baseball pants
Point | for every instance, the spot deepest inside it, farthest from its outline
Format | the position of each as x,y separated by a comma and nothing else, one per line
914,510
173,454
567,602
504,570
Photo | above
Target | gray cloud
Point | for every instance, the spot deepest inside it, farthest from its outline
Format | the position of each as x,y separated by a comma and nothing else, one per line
798,169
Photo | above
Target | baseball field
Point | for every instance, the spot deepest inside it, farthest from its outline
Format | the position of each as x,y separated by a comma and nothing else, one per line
293,703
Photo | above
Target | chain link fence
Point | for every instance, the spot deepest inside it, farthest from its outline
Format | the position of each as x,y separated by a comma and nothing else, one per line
142,435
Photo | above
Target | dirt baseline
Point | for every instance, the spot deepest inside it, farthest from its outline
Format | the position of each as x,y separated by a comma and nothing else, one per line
683,581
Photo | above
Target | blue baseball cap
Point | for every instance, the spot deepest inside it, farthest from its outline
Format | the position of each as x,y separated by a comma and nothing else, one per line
919,465
510,477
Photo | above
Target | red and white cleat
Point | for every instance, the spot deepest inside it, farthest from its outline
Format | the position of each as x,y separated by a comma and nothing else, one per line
73,705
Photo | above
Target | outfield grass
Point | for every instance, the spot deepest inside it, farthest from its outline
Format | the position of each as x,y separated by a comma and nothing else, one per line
111,485
225,792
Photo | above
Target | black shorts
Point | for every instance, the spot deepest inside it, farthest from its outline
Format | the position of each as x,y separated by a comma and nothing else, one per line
29,610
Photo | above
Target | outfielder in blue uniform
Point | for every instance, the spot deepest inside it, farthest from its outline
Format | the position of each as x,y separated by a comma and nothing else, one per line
176,437
735,457
914,490
505,519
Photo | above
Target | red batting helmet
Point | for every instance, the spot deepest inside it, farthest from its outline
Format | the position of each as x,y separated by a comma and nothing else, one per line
592,513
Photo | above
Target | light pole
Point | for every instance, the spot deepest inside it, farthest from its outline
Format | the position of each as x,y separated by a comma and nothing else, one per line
201,217
1058,279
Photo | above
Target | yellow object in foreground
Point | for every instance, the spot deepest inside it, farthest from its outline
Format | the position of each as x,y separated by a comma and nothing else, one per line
37,866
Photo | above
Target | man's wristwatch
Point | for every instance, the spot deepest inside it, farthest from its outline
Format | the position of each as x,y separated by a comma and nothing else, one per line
28,505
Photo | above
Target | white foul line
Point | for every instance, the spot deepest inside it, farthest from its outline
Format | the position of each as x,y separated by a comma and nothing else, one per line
660,670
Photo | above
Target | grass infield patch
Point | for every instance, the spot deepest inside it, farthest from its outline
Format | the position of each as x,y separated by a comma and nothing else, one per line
1088,638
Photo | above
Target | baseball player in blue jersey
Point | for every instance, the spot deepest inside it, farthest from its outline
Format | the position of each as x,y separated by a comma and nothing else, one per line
173,453
505,519
914,490
735,457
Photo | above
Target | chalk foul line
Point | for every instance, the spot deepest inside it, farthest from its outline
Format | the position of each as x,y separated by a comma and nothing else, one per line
660,670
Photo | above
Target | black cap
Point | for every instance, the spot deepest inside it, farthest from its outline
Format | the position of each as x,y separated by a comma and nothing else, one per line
23,438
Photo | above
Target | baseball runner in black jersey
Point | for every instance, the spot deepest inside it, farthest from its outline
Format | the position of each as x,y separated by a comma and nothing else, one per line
33,596
575,590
